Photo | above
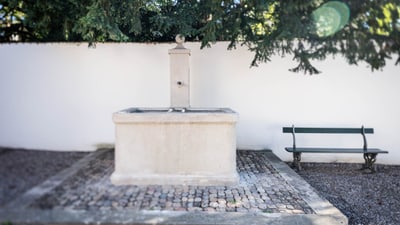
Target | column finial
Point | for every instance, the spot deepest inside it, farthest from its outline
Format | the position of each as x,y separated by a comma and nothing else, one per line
180,39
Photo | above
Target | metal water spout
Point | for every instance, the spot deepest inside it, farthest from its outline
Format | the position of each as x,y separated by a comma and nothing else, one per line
179,74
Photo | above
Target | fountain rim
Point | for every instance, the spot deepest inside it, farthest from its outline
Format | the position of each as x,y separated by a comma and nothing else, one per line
162,115
177,110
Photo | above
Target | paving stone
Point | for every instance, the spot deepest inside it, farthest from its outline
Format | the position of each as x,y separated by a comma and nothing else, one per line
214,204
209,209
261,189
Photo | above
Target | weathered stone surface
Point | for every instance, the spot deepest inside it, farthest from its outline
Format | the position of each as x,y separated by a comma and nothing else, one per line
92,190
173,148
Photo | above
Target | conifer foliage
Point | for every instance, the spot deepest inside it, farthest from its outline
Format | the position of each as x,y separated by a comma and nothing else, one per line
307,30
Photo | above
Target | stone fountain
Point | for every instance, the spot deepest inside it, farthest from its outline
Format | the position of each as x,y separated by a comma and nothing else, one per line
176,145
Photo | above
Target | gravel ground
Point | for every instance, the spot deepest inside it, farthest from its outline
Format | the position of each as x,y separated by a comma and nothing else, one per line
365,198
21,169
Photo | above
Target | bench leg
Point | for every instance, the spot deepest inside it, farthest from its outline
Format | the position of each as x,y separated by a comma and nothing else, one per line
370,159
296,160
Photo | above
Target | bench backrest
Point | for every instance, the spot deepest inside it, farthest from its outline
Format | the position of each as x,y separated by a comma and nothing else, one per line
328,130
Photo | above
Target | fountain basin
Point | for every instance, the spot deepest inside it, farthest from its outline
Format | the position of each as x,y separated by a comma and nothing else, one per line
162,146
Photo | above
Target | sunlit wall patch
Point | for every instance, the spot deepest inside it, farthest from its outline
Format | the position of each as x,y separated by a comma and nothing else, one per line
330,18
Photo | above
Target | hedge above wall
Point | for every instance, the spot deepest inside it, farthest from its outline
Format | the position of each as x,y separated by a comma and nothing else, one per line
361,31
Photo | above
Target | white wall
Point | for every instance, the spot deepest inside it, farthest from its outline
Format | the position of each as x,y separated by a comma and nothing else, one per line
61,96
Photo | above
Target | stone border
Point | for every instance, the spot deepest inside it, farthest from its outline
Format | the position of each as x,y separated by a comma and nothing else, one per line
17,212
36,192
320,205
165,218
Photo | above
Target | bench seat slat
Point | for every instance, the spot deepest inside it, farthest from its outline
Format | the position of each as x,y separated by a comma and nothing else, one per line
327,130
335,150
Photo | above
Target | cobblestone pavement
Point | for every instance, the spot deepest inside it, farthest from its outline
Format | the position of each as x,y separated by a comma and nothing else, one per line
261,189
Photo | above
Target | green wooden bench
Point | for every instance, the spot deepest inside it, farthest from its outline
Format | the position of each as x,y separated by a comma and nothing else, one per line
369,153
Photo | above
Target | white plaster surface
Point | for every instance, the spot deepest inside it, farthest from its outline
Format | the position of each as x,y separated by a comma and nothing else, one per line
61,96
175,148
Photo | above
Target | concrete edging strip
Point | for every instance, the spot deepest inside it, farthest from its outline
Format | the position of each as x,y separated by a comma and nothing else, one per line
17,212
321,206
162,217
36,192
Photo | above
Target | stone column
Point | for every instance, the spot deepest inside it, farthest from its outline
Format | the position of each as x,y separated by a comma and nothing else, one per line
179,74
